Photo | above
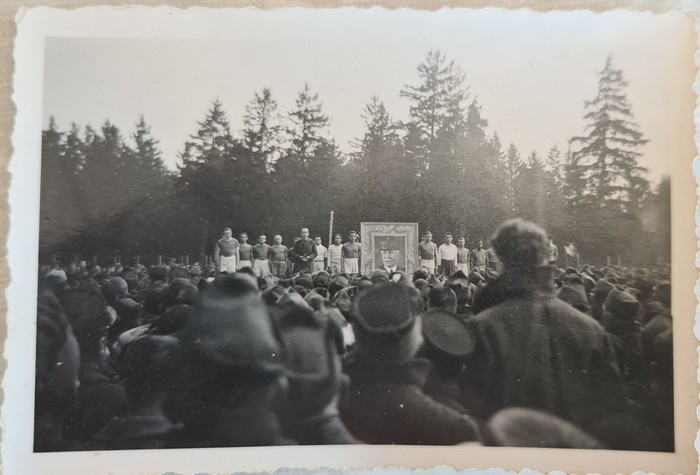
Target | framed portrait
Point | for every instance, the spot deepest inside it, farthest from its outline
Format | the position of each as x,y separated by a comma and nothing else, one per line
390,245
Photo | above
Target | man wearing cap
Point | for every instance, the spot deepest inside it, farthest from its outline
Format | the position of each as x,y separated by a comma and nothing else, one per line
321,255
448,256
391,257
261,257
304,252
351,255
428,252
245,252
335,254
576,376
226,252
384,403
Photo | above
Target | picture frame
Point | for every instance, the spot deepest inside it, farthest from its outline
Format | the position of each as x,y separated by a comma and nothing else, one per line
402,237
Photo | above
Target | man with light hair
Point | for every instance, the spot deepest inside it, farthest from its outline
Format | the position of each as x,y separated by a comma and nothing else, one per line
226,252
278,257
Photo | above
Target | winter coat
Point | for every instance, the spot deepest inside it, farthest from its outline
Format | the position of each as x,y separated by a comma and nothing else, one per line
534,350
384,404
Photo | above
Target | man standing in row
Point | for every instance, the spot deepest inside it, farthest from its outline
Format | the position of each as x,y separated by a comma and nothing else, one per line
304,252
351,255
335,254
479,257
245,252
428,252
321,254
448,256
226,252
261,263
462,256
278,257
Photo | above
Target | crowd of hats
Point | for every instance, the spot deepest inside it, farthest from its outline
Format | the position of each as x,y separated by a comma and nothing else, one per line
178,356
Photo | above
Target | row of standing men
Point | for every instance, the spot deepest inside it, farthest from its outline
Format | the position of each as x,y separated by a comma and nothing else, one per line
278,260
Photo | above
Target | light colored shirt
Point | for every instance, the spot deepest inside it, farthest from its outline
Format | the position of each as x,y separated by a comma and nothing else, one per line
448,252
321,253
334,252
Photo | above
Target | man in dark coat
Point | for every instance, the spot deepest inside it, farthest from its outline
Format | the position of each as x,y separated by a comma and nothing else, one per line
304,253
534,350
385,403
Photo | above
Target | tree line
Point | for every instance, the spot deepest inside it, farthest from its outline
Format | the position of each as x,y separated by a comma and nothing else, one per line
102,193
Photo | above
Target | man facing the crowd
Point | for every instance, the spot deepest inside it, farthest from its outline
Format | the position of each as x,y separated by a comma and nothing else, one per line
351,255
448,256
321,255
261,256
226,252
278,257
245,252
462,256
428,252
304,252
479,257
335,254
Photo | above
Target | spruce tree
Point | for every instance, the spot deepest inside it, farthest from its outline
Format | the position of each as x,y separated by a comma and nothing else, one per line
262,129
605,161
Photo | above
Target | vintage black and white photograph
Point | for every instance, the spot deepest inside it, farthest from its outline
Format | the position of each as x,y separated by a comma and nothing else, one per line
332,227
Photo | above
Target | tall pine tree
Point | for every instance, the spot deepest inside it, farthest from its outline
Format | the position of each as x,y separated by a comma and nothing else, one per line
606,159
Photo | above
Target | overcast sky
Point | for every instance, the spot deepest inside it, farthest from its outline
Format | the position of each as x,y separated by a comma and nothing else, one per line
531,72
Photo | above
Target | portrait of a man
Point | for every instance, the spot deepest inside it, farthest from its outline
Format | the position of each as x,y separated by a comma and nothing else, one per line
390,253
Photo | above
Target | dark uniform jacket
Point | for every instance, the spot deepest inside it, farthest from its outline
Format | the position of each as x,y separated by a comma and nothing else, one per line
385,405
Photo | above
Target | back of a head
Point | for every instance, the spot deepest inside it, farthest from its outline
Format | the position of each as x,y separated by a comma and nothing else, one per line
621,306
520,244
147,366
385,317
230,359
444,298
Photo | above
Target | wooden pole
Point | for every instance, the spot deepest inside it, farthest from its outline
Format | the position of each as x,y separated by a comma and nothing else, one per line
607,258
330,230
619,262
159,260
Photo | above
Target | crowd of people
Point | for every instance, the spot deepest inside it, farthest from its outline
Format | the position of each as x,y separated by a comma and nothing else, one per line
522,354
